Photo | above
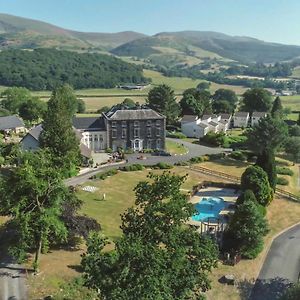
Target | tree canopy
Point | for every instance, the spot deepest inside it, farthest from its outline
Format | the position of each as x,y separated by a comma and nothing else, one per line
277,108
162,99
256,179
292,147
157,256
45,69
58,134
256,99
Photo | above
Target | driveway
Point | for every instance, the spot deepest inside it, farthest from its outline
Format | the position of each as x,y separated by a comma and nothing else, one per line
281,266
193,151
12,282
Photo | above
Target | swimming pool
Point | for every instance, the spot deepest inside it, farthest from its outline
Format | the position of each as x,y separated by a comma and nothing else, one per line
208,208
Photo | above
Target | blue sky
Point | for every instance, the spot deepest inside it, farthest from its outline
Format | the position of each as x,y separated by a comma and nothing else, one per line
270,20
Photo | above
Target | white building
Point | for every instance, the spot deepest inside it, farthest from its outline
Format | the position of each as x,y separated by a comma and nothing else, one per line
256,116
241,119
192,126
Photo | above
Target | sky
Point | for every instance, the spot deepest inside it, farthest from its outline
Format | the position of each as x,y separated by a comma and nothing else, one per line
269,20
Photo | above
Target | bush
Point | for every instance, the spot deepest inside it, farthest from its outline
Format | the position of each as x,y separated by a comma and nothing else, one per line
284,171
199,159
282,181
128,151
216,156
238,155
104,175
176,135
108,150
133,168
162,166
182,163
215,139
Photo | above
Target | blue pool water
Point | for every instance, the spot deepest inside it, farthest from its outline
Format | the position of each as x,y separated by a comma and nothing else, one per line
208,208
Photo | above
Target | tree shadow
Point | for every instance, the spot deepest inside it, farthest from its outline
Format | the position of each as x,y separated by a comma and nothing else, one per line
77,268
269,289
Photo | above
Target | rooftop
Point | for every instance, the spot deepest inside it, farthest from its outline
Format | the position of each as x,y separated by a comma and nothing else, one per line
259,114
10,122
189,118
241,114
90,123
133,114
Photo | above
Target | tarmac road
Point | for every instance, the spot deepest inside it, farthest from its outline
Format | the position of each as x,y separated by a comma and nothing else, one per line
281,266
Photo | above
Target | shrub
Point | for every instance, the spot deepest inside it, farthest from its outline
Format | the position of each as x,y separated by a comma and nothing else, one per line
282,181
162,166
128,151
182,163
215,139
256,179
238,155
216,156
108,150
133,168
284,171
104,175
199,159
176,135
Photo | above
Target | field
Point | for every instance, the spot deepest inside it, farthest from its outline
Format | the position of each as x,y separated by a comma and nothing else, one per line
293,102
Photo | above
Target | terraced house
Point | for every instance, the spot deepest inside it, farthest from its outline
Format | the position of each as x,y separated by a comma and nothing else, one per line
138,128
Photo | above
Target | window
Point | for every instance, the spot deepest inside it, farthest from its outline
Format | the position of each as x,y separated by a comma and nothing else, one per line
149,144
158,144
136,123
123,133
100,138
157,122
136,132
157,131
114,133
113,124
95,138
148,132
124,124
90,138
149,122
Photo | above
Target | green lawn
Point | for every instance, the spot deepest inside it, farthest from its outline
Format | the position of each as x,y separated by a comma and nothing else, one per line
175,148
119,196
292,102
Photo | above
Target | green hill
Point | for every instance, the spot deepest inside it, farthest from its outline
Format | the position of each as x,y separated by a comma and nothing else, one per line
205,44
17,32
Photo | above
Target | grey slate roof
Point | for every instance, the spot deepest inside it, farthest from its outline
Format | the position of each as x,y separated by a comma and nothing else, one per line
241,114
189,118
133,114
89,123
212,123
225,116
36,131
203,125
259,114
10,122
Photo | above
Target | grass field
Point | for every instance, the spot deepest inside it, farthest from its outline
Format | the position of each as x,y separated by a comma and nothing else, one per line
175,148
292,102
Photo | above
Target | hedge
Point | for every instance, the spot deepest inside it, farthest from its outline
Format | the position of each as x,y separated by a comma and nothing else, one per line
104,175
176,135
284,171
282,181
132,168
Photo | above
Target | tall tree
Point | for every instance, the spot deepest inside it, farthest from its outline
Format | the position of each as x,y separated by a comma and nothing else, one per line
266,160
163,100
196,102
222,106
246,228
292,147
226,95
277,108
14,97
58,135
204,85
32,110
32,195
268,135
256,179
157,255
257,99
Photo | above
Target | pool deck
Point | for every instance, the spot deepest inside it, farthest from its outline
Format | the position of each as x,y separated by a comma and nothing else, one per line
229,196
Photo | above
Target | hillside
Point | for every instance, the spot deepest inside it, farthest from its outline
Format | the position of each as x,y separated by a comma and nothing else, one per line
44,69
204,44
17,32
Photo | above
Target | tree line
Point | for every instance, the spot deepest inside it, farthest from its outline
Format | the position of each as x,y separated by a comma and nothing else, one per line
46,69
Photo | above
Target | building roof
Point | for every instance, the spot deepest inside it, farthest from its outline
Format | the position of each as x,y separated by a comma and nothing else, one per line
223,122
225,116
10,122
241,114
259,114
89,123
205,117
212,123
203,125
35,131
189,118
133,114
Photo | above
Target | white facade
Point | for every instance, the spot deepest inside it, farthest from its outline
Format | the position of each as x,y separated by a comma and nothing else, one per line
256,116
241,120
95,140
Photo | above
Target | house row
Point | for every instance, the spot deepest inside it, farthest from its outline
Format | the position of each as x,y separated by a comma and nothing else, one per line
193,126
121,127
12,124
